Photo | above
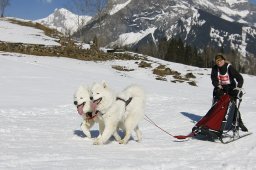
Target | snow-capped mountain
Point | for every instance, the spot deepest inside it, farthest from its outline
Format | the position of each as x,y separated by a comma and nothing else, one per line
223,23
64,21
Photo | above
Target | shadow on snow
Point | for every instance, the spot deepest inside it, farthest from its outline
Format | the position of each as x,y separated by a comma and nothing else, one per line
193,117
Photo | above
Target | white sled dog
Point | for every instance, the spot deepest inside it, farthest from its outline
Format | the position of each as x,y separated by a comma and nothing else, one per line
83,103
124,110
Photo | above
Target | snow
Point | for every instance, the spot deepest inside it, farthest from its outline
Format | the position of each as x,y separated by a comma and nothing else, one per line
206,4
232,2
118,7
40,127
215,34
232,12
228,13
132,37
227,18
22,34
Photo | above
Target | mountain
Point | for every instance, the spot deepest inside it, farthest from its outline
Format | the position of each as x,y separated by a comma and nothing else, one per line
228,24
64,21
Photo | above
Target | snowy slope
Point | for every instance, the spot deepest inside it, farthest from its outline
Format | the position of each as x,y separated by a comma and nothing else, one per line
118,7
40,127
14,33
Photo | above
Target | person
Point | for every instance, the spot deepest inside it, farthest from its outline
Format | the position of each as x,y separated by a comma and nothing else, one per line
226,79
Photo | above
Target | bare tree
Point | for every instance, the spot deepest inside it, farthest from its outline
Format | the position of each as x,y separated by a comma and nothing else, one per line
3,5
82,7
100,6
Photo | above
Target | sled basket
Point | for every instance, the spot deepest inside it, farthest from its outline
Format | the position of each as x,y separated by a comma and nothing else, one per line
222,122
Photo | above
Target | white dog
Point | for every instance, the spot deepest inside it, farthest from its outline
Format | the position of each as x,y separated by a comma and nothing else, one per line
124,110
83,104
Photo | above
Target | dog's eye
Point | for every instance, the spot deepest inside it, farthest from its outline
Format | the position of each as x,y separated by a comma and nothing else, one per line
81,97
97,93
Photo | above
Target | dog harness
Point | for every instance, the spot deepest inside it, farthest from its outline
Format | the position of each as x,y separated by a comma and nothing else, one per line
125,101
224,79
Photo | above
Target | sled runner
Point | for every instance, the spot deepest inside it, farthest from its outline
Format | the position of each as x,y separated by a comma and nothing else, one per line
222,122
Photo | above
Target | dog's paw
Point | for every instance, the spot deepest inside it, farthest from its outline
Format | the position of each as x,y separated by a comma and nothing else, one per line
97,142
122,142
87,134
119,141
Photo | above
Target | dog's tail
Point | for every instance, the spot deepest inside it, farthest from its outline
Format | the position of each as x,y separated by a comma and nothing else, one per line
133,91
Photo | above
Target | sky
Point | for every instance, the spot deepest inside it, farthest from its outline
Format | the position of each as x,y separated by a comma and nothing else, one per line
35,9
38,9
40,126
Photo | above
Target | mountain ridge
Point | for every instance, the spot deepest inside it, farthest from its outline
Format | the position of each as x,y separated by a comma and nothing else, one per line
167,17
64,21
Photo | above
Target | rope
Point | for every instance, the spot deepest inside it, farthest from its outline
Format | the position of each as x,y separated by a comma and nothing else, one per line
153,123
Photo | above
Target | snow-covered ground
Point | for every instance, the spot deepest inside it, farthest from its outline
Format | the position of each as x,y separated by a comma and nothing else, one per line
14,33
40,127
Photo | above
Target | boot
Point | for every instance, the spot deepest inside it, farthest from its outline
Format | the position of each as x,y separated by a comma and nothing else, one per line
243,128
241,124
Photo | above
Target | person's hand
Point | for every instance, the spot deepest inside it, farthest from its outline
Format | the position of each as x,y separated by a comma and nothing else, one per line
195,129
238,92
238,89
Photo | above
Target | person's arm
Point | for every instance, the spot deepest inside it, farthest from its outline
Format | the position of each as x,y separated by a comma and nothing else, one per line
214,77
236,75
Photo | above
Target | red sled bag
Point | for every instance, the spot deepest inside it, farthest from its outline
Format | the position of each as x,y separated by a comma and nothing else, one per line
222,121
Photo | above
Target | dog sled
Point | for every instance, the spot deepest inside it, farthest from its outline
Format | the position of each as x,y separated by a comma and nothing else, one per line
222,123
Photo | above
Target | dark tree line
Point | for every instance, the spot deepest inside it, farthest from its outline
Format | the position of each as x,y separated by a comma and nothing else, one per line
179,52
175,50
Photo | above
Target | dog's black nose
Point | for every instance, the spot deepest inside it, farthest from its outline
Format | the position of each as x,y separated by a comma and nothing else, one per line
91,98
75,102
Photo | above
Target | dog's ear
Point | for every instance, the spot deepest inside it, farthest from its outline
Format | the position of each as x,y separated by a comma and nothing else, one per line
104,84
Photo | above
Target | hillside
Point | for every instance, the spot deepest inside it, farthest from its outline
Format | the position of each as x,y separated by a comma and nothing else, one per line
27,37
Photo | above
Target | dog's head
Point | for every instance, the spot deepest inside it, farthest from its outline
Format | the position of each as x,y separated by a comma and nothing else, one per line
82,100
102,96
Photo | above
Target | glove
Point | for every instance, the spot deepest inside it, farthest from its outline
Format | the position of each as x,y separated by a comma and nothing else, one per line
217,93
195,129
238,93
